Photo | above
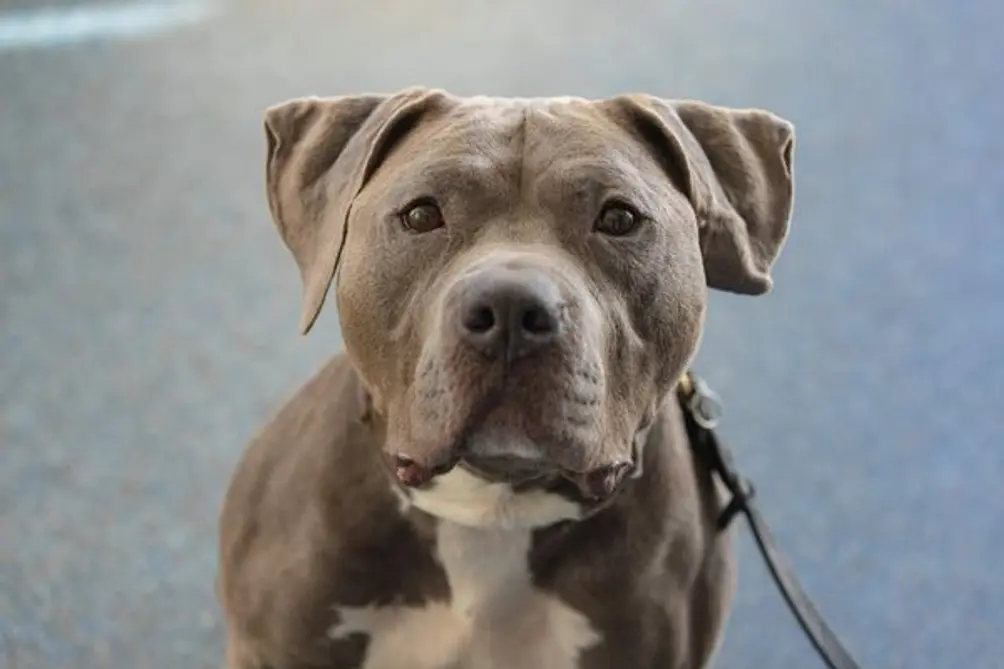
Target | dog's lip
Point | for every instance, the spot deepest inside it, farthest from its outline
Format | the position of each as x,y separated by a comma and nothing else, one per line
602,482
510,469
592,486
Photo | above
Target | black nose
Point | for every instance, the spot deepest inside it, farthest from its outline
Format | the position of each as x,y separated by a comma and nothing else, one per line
509,312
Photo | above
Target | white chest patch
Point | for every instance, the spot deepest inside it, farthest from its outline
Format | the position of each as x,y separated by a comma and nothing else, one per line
495,619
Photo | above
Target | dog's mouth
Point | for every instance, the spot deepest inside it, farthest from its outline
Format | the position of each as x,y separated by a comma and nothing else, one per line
591,487
518,472
554,438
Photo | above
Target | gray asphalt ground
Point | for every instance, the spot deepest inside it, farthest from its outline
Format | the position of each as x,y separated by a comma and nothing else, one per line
148,310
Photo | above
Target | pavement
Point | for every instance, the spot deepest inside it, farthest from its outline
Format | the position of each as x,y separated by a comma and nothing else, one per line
148,310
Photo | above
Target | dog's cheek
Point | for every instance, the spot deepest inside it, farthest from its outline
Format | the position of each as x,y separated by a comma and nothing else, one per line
628,370
361,308
654,326
670,303
378,281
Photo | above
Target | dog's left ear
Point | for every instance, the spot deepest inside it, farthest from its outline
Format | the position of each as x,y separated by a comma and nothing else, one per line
320,154
737,169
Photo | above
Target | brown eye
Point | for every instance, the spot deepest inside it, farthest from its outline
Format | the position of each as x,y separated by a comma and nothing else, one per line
617,220
422,217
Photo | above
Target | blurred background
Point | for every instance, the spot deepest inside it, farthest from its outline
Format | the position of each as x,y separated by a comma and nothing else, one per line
148,310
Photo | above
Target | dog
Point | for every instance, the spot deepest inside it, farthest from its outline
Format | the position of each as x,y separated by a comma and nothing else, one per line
494,474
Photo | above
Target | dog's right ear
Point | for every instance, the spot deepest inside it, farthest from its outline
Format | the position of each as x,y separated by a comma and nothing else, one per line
736,166
321,152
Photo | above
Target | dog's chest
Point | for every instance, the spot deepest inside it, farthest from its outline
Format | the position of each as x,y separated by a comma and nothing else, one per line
495,618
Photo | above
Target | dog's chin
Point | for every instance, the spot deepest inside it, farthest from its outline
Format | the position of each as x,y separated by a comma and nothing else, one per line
521,449
503,454
518,473
468,497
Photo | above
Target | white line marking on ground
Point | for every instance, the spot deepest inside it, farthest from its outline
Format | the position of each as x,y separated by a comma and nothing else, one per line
57,26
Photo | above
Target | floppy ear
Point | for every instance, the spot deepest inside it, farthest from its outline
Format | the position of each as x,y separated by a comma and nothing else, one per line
321,152
737,169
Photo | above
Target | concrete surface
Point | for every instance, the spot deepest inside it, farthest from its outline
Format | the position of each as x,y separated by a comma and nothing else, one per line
148,311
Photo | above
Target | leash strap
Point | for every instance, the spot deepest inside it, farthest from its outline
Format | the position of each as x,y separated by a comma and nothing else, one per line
701,411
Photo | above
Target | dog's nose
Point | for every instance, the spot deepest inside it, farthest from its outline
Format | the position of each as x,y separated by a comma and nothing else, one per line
510,312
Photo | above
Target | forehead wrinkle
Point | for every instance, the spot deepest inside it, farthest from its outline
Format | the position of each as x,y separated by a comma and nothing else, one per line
521,187
468,174
585,181
581,154
469,150
465,131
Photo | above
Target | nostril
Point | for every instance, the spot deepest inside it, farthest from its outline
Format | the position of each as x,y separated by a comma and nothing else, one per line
537,321
507,312
479,320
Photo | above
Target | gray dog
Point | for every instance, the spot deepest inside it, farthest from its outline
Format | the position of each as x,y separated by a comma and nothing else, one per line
495,475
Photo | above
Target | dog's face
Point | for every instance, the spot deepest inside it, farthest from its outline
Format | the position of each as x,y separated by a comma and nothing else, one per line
521,283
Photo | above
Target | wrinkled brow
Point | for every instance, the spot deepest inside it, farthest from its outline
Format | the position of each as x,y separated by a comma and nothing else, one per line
588,182
471,177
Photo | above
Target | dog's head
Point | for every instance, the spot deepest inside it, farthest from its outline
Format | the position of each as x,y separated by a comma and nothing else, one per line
521,283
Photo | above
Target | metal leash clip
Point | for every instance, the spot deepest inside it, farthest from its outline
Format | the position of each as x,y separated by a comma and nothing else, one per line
705,404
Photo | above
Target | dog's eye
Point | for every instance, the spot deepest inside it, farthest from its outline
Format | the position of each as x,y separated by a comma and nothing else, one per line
617,219
422,216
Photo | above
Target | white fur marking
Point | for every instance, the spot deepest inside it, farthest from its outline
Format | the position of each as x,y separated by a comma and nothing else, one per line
462,497
495,620
403,501
403,636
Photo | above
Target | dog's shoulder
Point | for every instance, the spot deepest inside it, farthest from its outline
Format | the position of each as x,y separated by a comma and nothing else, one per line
698,560
284,465
283,516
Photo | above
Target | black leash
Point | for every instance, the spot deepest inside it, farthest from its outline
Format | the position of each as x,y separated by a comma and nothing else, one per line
701,411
